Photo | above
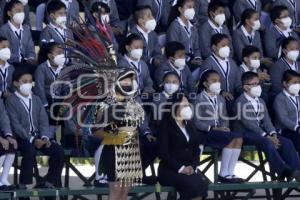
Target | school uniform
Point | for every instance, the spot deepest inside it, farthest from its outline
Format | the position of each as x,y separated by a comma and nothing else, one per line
20,40
141,68
273,38
152,49
179,147
242,39
228,71
202,7
277,71
187,83
293,7
113,15
52,33
6,73
210,112
287,118
205,37
241,5
29,121
188,36
256,125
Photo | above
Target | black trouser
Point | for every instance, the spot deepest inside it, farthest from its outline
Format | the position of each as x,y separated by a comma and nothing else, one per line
56,162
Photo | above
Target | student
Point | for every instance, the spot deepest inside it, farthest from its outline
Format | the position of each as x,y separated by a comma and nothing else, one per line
294,10
288,60
161,11
214,25
145,26
29,122
224,65
26,11
211,118
181,30
132,52
6,70
252,62
19,36
254,121
72,9
56,30
247,33
179,152
7,148
286,107
176,61
241,5
278,31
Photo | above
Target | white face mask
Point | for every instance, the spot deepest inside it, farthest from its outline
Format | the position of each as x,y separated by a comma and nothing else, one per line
293,55
170,88
24,2
294,89
25,88
256,25
186,113
136,54
5,54
105,18
150,25
287,22
59,60
224,52
255,64
215,88
189,13
18,18
220,19
61,21
180,63
256,91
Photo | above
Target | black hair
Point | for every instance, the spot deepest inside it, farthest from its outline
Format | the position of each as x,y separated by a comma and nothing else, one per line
214,5
286,41
204,78
168,73
45,50
128,41
139,12
249,50
20,71
276,12
97,6
288,75
247,14
248,76
217,38
3,39
8,7
172,48
174,10
54,6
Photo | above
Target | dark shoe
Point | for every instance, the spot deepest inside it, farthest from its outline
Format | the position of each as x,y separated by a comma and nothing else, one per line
45,185
295,175
3,188
149,180
225,179
100,183
11,187
238,179
21,187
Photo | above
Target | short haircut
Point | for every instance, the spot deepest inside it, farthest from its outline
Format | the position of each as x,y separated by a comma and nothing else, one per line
247,14
128,41
20,71
276,12
249,50
286,41
97,6
288,75
3,39
139,12
172,48
217,38
54,6
214,5
169,73
206,74
248,76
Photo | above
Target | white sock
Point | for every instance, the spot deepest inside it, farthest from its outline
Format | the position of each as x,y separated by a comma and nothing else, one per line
226,155
97,156
9,160
233,160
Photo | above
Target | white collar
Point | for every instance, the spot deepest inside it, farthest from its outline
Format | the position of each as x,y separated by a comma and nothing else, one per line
287,31
5,66
25,99
13,28
288,94
142,31
246,69
251,99
214,26
220,60
136,62
175,68
190,25
206,94
166,94
61,30
57,70
246,32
